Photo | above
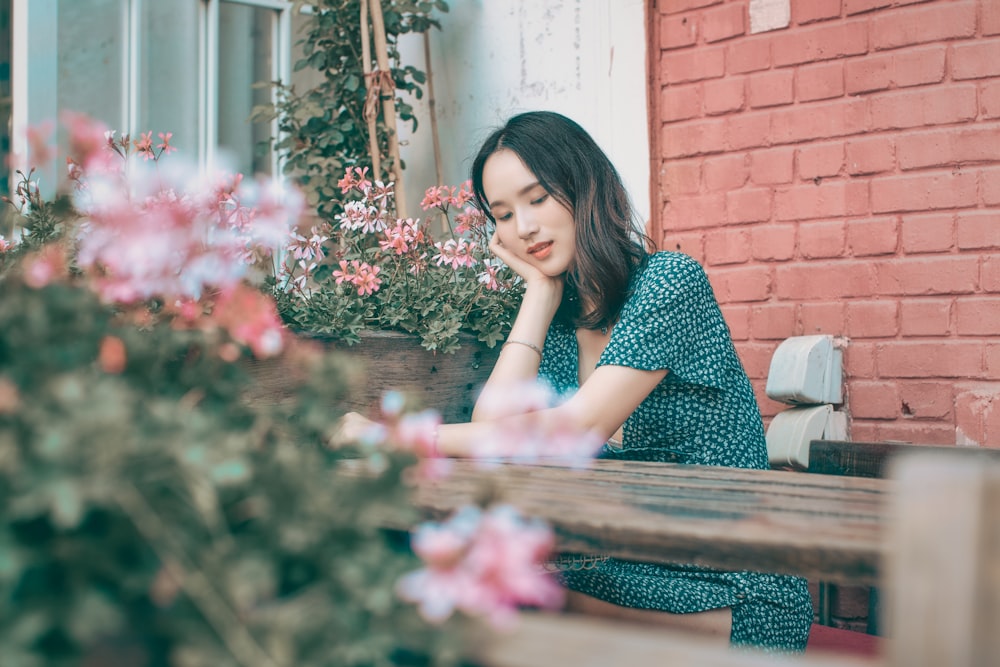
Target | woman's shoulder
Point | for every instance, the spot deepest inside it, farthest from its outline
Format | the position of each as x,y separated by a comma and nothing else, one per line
670,270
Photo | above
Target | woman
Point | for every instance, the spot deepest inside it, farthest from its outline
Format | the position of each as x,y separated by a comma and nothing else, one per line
638,343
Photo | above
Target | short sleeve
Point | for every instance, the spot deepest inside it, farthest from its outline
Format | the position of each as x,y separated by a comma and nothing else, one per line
672,321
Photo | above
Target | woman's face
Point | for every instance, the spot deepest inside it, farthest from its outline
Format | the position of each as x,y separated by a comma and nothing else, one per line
530,222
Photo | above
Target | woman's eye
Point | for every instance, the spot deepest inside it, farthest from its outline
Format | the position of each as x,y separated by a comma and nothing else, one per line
540,199
505,217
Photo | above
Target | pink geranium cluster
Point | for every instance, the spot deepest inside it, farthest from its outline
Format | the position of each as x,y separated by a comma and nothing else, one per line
482,563
146,232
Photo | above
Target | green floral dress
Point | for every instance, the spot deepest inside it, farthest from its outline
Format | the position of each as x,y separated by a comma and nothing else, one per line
703,412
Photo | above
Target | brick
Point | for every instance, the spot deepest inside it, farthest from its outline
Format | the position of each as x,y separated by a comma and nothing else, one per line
724,22
871,155
748,130
940,105
768,408
989,180
815,10
727,246
867,238
920,25
693,138
930,275
975,230
772,88
977,316
773,321
852,7
677,32
691,244
940,359
862,431
756,358
828,199
925,317
822,318
917,432
819,82
990,278
928,233
820,160
752,283
989,17
868,74
772,166
693,64
724,95
748,205
777,243
993,367
919,67
822,240
684,213
859,361
977,60
874,400
948,147
824,42
680,102
872,319
977,414
675,6
748,55
819,120
923,192
726,172
926,400
738,320
681,177
824,280
989,99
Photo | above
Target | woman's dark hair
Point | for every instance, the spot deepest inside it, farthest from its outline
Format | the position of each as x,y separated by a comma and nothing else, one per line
571,167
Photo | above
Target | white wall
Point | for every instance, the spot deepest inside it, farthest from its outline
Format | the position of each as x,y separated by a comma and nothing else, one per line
585,59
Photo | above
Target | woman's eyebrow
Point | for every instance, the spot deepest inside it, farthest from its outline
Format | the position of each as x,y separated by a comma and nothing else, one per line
527,188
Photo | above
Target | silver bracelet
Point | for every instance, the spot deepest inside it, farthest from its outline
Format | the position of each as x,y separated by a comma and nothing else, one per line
511,341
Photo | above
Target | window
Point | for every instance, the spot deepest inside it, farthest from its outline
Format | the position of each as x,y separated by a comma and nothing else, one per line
183,66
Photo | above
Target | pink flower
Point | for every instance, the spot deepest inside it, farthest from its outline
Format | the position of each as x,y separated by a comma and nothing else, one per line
87,143
455,253
164,144
482,564
45,266
251,319
5,245
464,195
403,237
112,357
362,275
469,220
437,197
356,178
488,277
144,145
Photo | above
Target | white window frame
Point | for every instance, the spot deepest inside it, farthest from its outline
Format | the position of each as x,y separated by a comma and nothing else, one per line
33,22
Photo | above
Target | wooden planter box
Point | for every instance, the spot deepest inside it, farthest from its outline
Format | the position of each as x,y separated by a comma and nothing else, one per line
390,360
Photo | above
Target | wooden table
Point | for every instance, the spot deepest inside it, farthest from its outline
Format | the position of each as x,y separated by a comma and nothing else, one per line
818,526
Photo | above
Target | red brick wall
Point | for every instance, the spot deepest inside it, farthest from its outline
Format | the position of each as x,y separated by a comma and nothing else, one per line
842,176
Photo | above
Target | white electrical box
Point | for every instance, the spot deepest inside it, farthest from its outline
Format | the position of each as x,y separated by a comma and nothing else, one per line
791,431
806,370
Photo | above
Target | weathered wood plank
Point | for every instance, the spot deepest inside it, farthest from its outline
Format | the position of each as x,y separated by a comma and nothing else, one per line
812,525
943,580
870,459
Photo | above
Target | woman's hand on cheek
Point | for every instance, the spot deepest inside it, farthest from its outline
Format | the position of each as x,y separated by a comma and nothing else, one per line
521,267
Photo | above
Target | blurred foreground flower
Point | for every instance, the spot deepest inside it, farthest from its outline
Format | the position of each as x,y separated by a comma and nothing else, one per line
482,563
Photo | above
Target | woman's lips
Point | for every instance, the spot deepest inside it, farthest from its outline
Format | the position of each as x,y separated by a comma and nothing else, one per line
540,250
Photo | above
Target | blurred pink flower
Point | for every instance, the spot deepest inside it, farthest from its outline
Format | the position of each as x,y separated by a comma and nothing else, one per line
40,150
164,145
362,275
251,319
483,564
470,219
144,145
87,142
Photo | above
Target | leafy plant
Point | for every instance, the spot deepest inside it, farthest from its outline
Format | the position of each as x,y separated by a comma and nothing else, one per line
371,270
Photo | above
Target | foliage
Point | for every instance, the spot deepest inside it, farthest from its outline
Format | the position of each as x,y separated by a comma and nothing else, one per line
323,130
373,271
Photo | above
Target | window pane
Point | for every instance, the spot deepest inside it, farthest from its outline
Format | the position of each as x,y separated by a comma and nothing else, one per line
91,59
246,52
168,67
